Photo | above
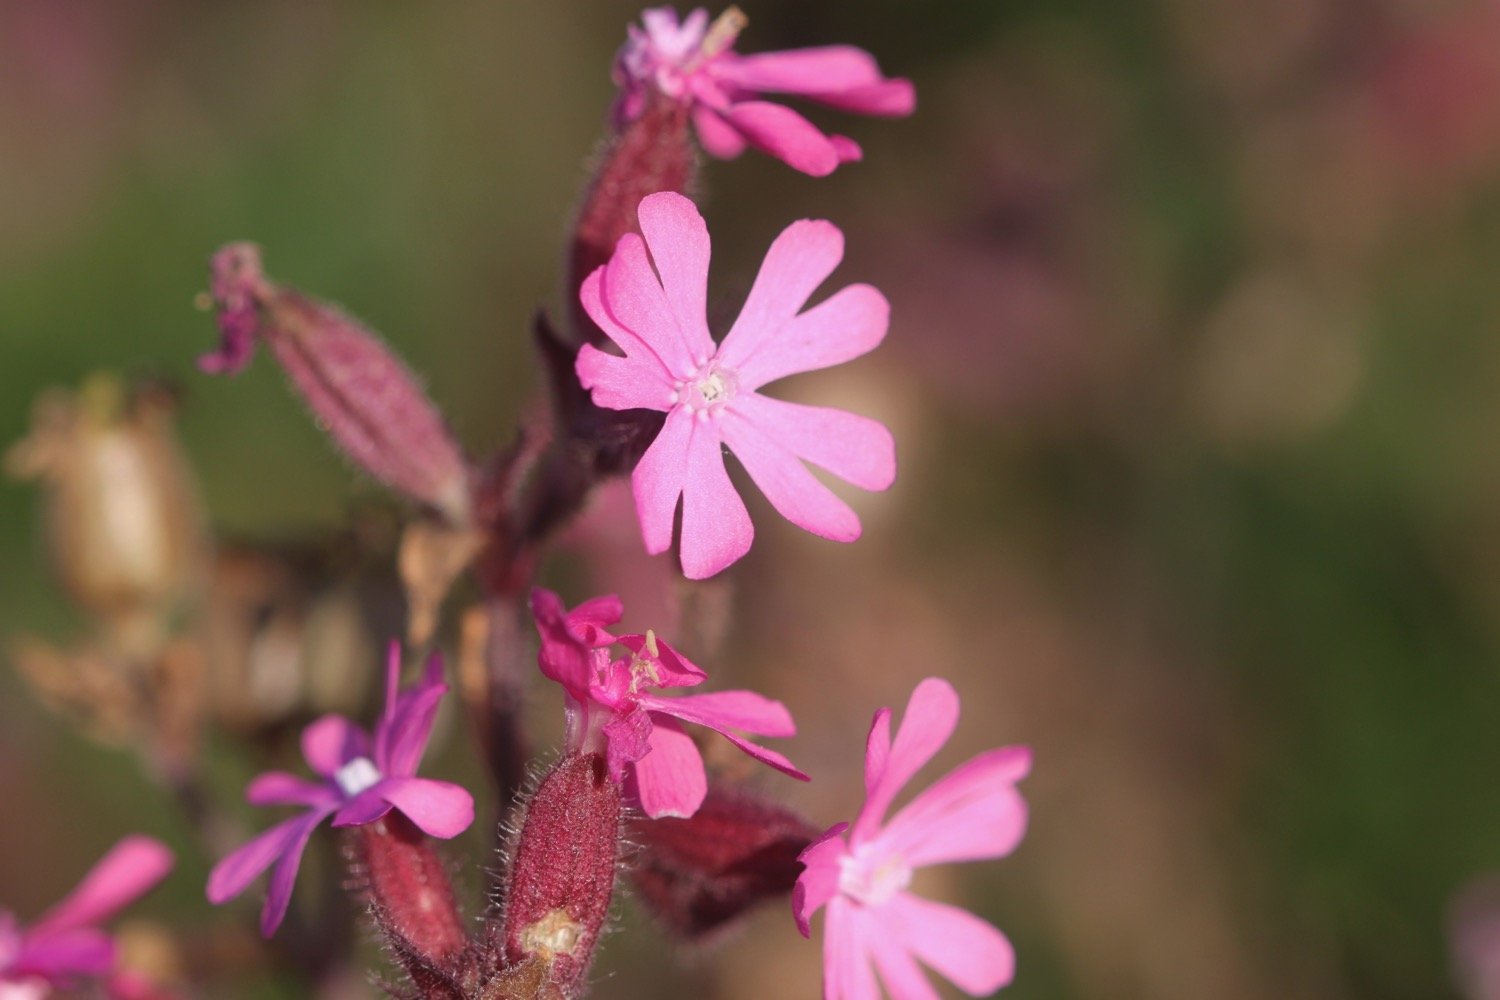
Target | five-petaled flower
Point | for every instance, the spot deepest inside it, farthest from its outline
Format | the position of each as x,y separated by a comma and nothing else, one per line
973,812
65,947
363,777
710,395
612,708
694,62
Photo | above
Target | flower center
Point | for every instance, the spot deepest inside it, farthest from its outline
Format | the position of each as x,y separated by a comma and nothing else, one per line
707,392
356,776
870,878
643,672
669,54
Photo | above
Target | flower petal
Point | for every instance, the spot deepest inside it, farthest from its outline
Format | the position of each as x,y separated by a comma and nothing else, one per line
658,480
851,322
331,742
929,720
716,528
59,957
635,298
641,363
847,974
439,808
903,978
670,780
838,75
784,134
795,492
130,869
692,713
854,448
591,620
819,881
240,867
765,755
628,383
968,951
277,788
877,749
562,656
628,739
284,873
677,237
972,813
720,710
718,138
366,807
402,738
799,260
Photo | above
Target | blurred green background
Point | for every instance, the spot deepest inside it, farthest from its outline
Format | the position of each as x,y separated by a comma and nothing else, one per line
1193,370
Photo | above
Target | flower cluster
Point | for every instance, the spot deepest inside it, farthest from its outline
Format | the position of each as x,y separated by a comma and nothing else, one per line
641,386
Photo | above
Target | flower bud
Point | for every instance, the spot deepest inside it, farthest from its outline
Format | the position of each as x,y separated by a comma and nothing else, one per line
358,390
410,896
124,527
563,873
698,874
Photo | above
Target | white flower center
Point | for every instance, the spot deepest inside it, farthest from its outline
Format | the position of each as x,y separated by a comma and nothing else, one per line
871,878
357,775
706,393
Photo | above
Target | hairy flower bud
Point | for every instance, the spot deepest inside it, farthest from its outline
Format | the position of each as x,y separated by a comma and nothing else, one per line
124,528
409,892
359,391
698,874
563,873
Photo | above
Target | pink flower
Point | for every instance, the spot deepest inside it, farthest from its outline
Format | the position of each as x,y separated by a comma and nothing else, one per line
693,62
613,710
363,777
65,946
972,813
710,393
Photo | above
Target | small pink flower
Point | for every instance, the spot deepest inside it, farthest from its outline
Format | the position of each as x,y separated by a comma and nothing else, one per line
710,394
363,777
613,710
693,62
65,946
972,813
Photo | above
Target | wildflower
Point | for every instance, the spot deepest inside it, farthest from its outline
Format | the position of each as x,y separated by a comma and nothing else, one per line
972,813
65,946
694,63
363,777
613,711
710,394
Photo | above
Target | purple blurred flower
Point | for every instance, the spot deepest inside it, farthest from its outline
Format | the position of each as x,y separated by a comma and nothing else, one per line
694,62
64,946
972,813
363,778
711,393
613,711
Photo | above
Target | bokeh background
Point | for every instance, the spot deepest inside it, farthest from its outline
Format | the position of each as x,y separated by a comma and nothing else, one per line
1193,370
